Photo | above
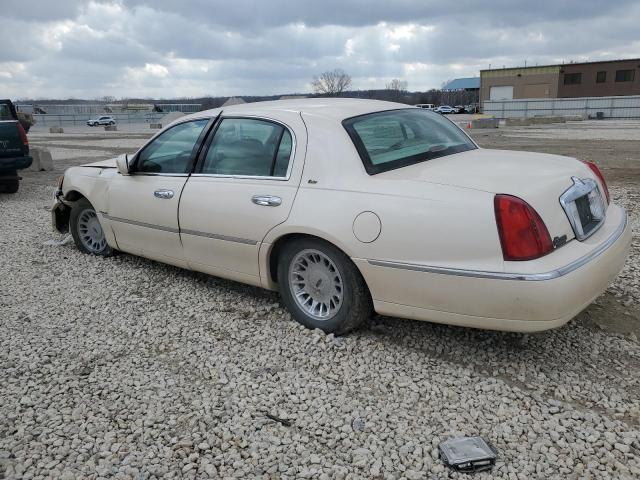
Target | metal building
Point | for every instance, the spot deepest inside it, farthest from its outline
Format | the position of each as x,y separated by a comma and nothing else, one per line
570,80
470,84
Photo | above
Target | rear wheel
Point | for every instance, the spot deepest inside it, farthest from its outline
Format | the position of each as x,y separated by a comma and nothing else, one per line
321,286
86,229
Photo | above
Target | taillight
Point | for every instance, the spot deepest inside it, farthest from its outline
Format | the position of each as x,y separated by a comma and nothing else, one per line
594,168
23,134
523,234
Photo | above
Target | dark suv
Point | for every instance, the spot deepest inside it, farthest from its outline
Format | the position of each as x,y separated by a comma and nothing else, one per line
14,148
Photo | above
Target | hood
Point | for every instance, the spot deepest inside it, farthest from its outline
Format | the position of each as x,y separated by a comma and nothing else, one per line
110,163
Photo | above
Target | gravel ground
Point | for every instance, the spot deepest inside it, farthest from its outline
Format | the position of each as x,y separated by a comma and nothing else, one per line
127,368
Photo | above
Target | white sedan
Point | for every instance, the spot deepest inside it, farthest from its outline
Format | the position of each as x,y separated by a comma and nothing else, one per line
445,109
348,206
104,120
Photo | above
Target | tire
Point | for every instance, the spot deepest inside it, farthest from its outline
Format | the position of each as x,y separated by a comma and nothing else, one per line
323,261
10,185
86,229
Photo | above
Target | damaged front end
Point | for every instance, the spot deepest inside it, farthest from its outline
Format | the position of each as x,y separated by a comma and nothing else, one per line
60,211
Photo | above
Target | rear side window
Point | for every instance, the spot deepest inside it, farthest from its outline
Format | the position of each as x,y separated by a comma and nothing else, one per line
249,147
397,138
5,112
170,152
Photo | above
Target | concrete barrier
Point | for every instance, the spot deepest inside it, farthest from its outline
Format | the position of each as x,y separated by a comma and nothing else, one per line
517,122
485,123
573,118
56,130
42,160
155,125
110,128
546,120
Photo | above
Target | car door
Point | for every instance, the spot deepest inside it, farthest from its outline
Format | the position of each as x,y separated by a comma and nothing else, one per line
143,206
244,185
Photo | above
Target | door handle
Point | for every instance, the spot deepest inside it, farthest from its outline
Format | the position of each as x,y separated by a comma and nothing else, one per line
266,200
163,193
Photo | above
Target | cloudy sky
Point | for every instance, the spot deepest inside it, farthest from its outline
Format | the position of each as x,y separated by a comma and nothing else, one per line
173,48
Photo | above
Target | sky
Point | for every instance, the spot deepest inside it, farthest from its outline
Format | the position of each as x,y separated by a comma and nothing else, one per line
192,48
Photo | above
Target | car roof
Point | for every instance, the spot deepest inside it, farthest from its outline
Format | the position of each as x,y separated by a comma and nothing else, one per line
335,108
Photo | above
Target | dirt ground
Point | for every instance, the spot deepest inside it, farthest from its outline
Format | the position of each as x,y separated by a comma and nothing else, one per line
124,367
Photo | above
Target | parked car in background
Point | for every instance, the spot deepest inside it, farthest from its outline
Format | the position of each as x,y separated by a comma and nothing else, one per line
104,120
426,106
14,148
346,206
459,109
445,109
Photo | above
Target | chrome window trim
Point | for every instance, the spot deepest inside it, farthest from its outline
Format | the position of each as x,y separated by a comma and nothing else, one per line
292,155
535,277
240,177
580,188
151,174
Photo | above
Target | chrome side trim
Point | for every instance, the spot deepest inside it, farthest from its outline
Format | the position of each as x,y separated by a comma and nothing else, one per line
183,232
219,237
140,224
535,277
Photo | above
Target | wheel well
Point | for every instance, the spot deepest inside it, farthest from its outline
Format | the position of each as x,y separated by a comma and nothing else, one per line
281,242
73,196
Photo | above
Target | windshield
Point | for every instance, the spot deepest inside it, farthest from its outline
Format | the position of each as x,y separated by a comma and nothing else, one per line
397,138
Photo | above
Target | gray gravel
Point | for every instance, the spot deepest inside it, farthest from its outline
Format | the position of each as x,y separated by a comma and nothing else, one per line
127,368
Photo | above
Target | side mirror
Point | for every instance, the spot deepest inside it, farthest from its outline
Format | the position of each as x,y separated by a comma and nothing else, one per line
122,162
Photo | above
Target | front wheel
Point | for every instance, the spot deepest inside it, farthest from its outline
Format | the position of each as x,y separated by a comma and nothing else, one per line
321,286
86,229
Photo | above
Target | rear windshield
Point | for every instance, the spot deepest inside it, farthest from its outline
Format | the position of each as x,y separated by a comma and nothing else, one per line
397,138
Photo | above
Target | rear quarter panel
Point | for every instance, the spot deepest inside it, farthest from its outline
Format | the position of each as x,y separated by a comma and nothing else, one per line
421,223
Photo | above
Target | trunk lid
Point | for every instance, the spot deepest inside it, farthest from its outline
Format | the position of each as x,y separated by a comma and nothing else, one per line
537,178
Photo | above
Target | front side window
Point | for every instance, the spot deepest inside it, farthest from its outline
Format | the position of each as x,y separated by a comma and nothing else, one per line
249,147
397,138
624,75
171,151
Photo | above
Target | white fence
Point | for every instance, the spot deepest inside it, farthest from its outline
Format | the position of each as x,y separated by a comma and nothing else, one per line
81,119
611,107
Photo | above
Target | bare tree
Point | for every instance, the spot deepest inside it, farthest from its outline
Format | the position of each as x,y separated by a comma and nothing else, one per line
396,88
331,83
